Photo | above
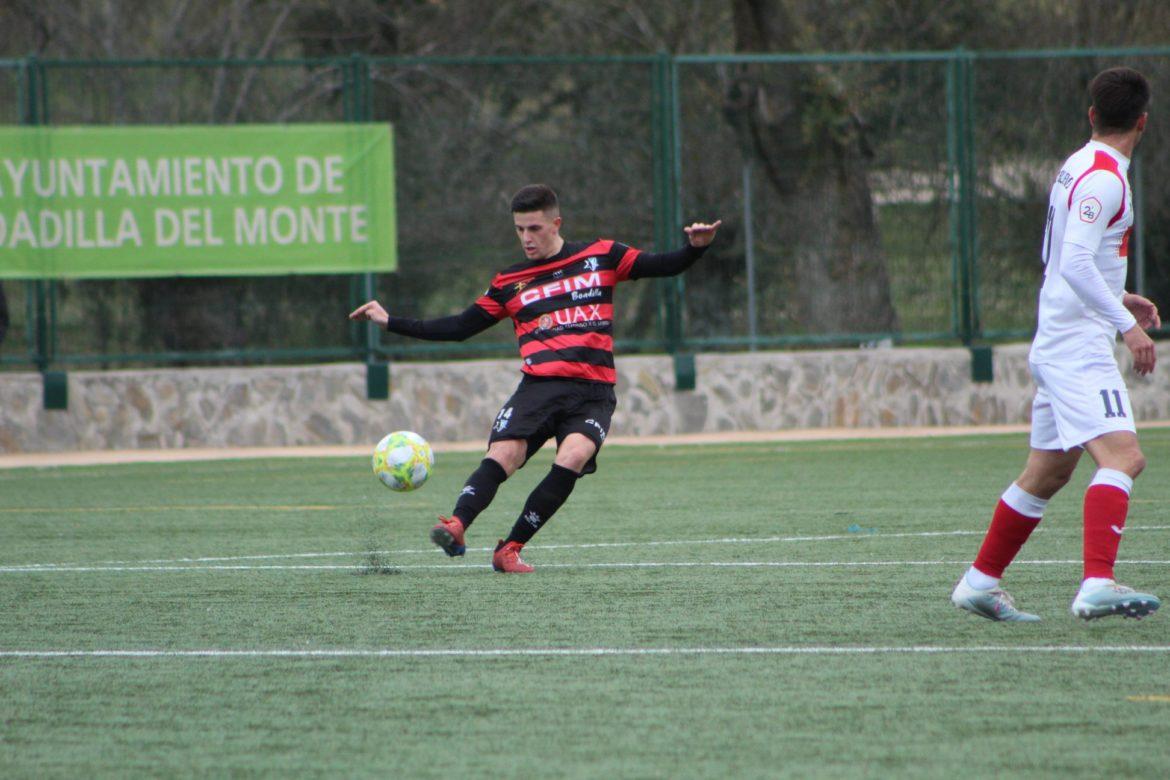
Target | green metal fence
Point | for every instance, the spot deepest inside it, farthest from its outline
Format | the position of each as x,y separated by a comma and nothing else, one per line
961,150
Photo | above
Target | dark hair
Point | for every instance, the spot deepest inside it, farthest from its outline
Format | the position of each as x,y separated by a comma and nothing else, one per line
534,197
1120,96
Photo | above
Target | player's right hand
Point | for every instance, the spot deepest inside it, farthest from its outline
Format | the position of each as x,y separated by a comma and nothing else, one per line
702,234
1143,309
1141,346
372,311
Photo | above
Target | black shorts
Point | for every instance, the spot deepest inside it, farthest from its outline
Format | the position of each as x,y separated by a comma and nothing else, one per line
544,407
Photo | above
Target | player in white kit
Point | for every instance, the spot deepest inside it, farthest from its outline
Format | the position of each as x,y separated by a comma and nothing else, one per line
1081,400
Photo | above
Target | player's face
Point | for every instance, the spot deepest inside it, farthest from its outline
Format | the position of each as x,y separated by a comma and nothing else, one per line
539,233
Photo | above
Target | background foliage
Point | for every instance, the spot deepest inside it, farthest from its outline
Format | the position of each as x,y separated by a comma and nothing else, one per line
849,160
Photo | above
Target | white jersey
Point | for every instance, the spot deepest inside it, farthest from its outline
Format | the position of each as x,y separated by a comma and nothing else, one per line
1086,251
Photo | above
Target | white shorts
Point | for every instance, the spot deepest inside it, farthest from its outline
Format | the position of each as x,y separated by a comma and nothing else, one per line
1076,403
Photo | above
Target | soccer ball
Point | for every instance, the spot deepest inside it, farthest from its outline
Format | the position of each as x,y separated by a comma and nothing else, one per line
403,460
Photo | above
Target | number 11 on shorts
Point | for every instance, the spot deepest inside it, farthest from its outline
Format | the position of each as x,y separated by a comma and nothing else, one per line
1109,412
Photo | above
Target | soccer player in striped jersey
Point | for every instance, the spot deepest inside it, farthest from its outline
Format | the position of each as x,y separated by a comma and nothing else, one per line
1081,400
560,301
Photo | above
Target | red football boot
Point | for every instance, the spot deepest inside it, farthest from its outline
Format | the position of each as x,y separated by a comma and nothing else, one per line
448,534
506,558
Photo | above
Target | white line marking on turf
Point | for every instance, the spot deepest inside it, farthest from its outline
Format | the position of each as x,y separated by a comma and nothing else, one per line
581,651
532,547
584,546
451,566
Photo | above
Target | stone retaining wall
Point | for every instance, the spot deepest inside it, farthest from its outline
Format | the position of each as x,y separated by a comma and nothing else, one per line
457,401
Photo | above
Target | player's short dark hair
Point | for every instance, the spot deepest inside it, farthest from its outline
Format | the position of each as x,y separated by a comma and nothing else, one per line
534,197
1120,96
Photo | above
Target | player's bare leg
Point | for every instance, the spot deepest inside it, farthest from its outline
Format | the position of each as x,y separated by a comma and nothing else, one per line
509,453
574,452
1017,514
1120,460
503,458
546,498
1047,471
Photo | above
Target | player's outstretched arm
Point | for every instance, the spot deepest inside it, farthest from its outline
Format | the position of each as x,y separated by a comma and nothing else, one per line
457,327
699,237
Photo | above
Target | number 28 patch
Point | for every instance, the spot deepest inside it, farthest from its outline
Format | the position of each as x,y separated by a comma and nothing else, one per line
1089,209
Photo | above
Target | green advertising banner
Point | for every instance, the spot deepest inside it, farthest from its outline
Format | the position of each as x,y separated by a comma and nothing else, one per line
124,202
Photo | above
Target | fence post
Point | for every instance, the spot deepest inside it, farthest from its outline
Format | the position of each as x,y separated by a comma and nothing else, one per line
1139,237
966,320
667,209
41,295
34,292
357,331
971,201
674,199
961,189
749,242
658,155
367,337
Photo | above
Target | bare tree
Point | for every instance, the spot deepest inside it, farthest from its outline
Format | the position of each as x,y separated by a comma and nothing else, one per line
469,133
812,146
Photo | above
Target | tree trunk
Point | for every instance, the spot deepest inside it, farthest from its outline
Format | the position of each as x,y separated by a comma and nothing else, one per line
795,122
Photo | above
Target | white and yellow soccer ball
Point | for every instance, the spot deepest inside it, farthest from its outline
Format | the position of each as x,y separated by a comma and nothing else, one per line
403,460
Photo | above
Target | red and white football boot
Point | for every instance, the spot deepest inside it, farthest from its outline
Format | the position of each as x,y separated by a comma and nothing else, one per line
506,558
448,534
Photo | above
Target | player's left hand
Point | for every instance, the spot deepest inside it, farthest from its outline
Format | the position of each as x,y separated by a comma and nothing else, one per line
1141,347
702,234
1143,310
371,311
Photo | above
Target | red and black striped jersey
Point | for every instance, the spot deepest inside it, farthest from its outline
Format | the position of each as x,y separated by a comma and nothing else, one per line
562,308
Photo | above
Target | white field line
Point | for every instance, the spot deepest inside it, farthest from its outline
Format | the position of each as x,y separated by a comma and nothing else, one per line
587,651
531,547
454,566
584,546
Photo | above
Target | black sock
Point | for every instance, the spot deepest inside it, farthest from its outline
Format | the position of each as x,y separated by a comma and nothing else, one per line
544,500
479,490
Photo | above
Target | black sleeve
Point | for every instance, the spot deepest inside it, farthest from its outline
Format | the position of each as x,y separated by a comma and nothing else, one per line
666,263
457,327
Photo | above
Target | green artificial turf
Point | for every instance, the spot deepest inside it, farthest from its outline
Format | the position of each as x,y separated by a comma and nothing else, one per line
826,646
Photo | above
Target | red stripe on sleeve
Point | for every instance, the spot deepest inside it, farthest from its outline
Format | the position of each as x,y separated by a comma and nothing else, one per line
513,306
626,264
488,304
1102,161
